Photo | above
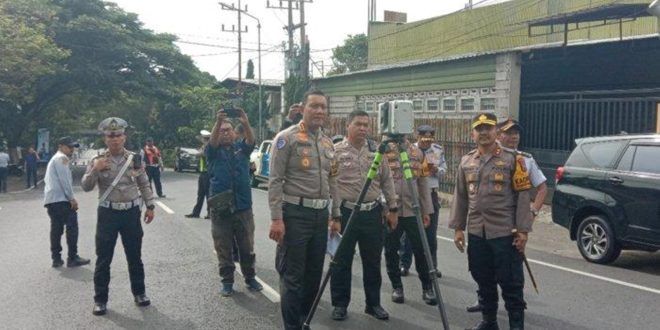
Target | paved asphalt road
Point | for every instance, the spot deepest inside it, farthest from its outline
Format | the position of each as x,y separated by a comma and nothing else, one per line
183,283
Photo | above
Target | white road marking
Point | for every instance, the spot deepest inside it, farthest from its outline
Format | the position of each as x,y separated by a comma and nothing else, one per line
164,207
598,277
268,291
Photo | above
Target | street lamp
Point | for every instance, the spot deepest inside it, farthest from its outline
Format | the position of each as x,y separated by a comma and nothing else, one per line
228,7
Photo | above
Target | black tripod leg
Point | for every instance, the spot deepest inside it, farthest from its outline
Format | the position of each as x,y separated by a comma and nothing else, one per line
405,162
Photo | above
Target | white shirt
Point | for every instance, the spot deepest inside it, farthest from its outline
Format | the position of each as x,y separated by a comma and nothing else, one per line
58,180
536,176
4,159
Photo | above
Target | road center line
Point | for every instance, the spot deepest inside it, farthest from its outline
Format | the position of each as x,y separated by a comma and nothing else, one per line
598,277
164,207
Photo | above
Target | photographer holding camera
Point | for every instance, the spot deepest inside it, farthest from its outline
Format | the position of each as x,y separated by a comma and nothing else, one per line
231,198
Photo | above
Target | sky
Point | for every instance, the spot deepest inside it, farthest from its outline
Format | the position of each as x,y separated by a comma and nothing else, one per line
197,24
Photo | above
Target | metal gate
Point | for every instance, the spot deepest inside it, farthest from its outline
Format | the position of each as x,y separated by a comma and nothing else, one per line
552,125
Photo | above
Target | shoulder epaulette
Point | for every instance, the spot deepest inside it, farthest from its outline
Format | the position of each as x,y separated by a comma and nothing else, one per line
436,146
472,151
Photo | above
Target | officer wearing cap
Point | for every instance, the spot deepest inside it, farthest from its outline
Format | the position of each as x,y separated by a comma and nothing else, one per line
491,202
123,186
407,222
62,205
433,168
203,182
302,171
354,156
509,137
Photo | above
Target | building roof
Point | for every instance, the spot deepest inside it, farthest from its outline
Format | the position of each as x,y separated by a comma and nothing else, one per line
505,26
272,83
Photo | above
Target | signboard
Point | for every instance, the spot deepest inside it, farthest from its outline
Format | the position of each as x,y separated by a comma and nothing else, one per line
43,144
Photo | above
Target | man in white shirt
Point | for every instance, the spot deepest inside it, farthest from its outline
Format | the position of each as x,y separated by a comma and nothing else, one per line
4,170
62,205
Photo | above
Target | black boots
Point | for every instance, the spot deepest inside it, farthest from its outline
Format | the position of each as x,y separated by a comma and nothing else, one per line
517,320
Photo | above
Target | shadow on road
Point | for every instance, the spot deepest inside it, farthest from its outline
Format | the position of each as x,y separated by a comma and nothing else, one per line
645,262
151,319
79,274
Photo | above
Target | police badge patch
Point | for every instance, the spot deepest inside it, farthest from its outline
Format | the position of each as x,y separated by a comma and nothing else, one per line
281,142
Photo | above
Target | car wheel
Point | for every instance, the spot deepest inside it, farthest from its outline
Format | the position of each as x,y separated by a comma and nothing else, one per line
596,241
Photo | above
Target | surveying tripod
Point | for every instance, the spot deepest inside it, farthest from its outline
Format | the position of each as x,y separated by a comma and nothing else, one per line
399,140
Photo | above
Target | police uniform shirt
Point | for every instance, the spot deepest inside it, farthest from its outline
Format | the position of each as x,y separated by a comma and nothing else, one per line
301,165
405,201
484,196
353,165
133,184
435,155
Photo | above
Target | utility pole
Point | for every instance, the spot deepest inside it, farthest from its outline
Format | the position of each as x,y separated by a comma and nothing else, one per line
291,28
241,11
240,32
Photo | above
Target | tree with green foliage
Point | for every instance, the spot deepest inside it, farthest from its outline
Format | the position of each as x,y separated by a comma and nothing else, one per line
250,70
85,60
351,56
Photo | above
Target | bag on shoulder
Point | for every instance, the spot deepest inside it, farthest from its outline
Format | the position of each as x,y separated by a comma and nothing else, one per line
222,202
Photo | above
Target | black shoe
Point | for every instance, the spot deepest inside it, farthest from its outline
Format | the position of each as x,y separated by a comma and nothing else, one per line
58,263
191,215
254,285
339,314
517,320
429,297
76,261
207,217
142,300
477,307
397,296
404,271
377,312
161,196
99,309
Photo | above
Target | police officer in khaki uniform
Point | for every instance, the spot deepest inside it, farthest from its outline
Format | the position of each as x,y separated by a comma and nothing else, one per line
302,170
492,196
354,156
408,223
118,211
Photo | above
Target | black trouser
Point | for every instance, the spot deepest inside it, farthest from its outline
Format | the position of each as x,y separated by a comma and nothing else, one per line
153,172
367,231
299,261
4,171
492,262
203,185
110,224
431,235
229,230
392,245
31,175
62,215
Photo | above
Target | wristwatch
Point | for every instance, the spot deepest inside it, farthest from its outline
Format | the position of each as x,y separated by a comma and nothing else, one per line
151,207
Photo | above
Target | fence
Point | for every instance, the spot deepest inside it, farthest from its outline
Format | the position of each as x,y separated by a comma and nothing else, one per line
451,133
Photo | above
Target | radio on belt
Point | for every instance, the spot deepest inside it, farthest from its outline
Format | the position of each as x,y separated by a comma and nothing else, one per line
396,117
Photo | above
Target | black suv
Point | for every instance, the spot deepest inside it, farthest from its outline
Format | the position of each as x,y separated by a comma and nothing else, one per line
608,195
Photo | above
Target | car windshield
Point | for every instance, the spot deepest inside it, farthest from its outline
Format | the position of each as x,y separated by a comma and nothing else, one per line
190,151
